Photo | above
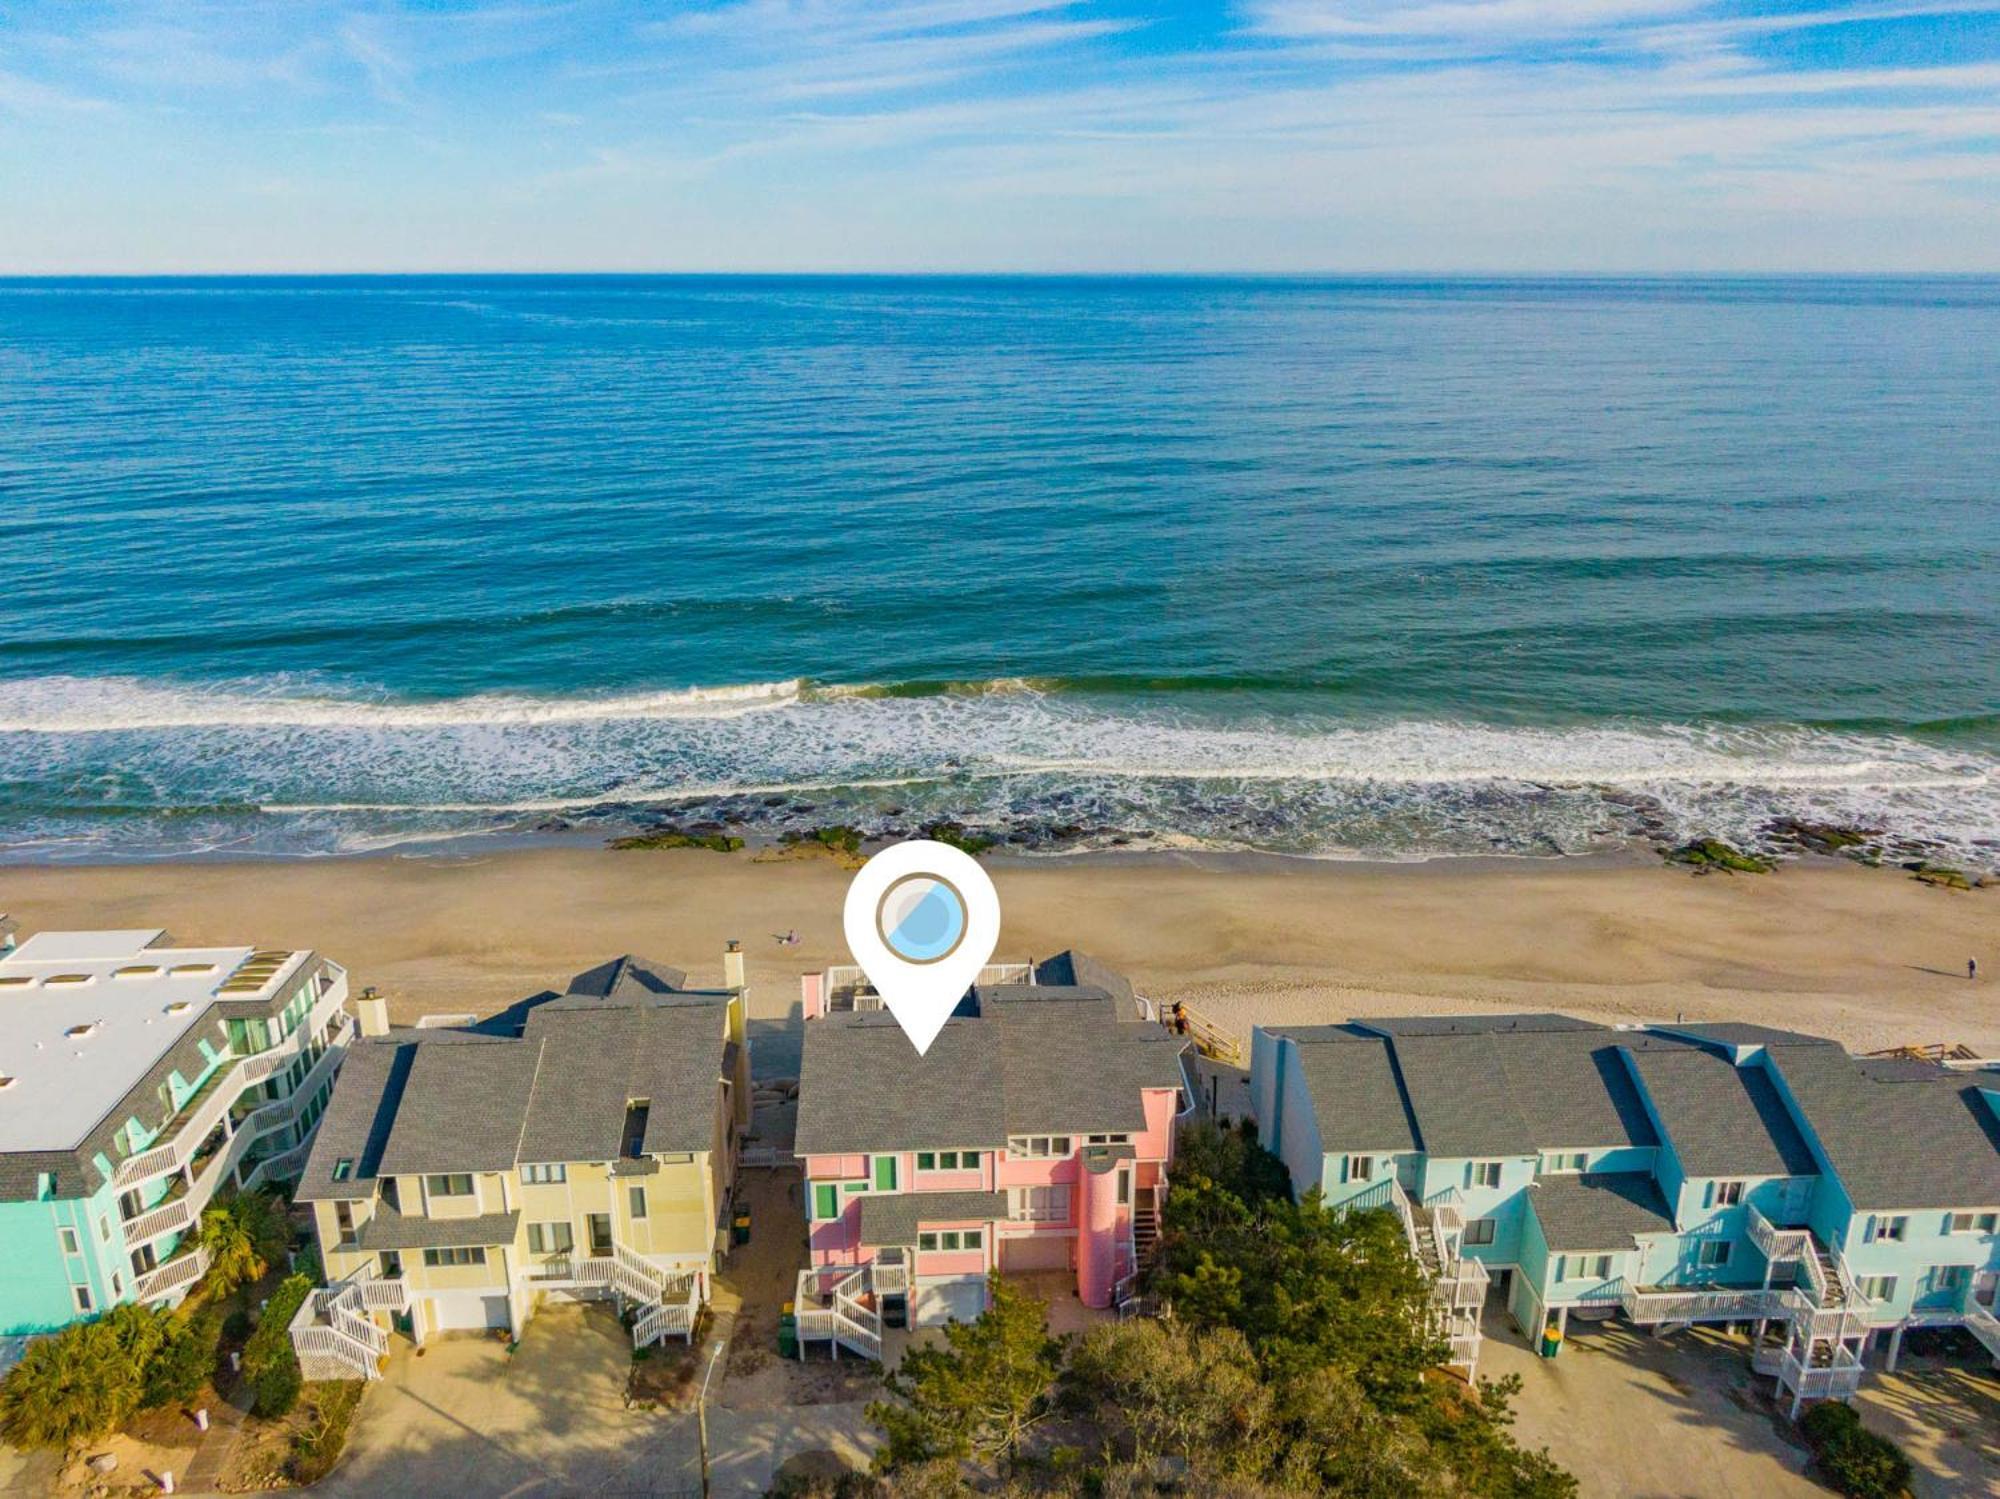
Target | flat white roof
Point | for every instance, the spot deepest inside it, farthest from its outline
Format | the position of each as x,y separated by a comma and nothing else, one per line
138,1002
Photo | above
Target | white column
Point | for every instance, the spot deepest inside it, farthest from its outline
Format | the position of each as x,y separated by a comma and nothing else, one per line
1895,1347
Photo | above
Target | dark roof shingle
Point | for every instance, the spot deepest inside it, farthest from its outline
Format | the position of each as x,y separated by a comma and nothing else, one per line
895,1218
1603,1210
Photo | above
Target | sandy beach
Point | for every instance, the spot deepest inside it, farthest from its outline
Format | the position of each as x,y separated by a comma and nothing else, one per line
1867,956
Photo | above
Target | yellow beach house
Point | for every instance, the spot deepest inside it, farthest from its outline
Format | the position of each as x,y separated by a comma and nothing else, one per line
578,1146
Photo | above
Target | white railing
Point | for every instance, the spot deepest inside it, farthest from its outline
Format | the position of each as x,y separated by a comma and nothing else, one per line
1463,1286
1780,1244
889,1273
192,1129
1834,1381
182,1270
1728,1305
669,1318
1982,1324
835,1311
860,993
1446,1211
1403,1211
1464,1350
1379,1194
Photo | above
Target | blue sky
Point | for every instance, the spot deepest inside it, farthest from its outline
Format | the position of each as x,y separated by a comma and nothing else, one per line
181,135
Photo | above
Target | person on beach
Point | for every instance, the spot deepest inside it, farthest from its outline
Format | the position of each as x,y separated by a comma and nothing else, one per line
1971,969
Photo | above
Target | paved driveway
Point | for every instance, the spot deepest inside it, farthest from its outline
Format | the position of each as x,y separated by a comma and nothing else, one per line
466,1421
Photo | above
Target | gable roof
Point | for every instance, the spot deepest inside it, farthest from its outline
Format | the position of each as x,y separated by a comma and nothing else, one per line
1513,1085
1598,1210
1351,1080
1900,1134
1721,1119
551,1083
1032,1059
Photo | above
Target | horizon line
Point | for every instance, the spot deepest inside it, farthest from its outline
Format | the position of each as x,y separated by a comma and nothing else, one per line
1462,274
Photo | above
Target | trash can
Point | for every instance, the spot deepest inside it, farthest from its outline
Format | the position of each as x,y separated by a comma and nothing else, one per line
741,1227
1552,1341
788,1333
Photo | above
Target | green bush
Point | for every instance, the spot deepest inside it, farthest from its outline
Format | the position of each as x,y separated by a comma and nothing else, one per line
184,1362
318,1444
269,1364
1852,1458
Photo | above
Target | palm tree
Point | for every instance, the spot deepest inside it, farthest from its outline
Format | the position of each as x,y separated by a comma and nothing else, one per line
69,1389
244,1236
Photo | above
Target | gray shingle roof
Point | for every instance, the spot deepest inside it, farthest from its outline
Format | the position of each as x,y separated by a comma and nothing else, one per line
392,1230
1081,970
475,1100
1722,1120
1598,1211
1744,1033
862,1087
896,1218
1512,1085
1052,1063
462,1109
1352,1083
1900,1135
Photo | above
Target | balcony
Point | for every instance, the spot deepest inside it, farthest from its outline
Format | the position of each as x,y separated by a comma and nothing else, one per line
1647,1305
198,1116
1835,1379
1779,1245
175,1273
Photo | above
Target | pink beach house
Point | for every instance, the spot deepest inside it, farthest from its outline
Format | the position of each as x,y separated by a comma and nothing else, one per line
1034,1135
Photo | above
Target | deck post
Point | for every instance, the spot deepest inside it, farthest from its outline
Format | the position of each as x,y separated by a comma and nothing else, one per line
1895,1348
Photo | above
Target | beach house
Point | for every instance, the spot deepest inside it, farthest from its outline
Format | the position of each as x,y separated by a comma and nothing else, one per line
137,1080
1034,1135
1668,1174
579,1145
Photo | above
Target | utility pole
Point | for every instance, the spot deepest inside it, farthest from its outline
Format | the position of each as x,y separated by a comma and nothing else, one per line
701,1411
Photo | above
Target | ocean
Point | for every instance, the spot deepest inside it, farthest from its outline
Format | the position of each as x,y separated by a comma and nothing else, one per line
1344,568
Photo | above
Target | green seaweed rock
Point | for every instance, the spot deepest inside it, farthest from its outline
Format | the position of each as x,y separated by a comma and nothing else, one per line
1712,853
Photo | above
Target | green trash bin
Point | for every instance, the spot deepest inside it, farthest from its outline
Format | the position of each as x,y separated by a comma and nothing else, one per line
1552,1341
788,1334
741,1229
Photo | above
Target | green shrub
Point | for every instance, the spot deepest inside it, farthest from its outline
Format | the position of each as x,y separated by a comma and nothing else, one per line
183,1363
1852,1458
268,1361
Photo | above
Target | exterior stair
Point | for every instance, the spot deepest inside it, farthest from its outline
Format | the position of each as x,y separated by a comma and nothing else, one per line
1831,1276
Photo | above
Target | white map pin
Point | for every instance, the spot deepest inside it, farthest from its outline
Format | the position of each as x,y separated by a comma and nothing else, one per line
922,919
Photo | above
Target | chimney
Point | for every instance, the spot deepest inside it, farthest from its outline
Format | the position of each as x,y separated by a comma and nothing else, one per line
732,965
372,1010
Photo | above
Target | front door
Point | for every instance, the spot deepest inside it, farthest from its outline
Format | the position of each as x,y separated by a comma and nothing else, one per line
600,1234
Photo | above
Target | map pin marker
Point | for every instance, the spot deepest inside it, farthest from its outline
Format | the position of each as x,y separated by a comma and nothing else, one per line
922,919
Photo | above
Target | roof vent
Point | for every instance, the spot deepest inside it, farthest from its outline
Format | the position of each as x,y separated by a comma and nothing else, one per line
13,980
138,971
183,969
180,1007
67,978
6,1082
78,1032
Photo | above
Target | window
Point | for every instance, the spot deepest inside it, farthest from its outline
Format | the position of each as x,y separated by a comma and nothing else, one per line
1040,1204
1482,1173
437,1257
45,1185
550,1238
1894,1227
1712,1253
1124,1189
1480,1231
1107,1139
545,1175
1878,1287
952,1238
1357,1168
826,1200
70,1243
1565,1160
343,1221
82,1295
1598,1267
343,1168
104,1230
1950,1277
1728,1194
1969,1223
885,1173
636,1196
118,1282
458,1184
1039,1145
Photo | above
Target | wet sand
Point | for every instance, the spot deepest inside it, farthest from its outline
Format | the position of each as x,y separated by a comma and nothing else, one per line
1868,956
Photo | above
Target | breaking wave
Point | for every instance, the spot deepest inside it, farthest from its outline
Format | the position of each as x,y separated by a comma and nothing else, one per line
97,767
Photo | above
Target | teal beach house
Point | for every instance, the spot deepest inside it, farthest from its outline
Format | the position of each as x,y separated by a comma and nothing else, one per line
137,1080
1669,1175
